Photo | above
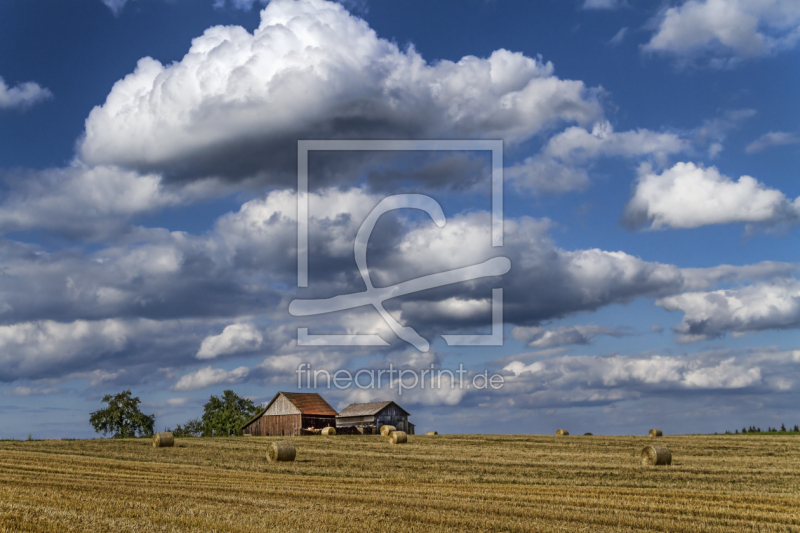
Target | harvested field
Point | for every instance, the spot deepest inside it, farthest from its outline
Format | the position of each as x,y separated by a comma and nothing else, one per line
447,483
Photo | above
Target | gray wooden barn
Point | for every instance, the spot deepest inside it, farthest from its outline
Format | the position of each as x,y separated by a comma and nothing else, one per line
288,412
375,414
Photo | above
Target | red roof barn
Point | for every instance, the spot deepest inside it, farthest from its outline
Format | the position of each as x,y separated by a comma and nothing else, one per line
287,412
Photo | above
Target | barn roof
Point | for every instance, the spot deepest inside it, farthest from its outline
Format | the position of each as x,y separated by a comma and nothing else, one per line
367,409
309,403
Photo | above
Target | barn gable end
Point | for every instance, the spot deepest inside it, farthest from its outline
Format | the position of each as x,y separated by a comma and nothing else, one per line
280,405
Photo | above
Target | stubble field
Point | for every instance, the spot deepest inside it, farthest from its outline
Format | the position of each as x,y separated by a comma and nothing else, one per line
437,483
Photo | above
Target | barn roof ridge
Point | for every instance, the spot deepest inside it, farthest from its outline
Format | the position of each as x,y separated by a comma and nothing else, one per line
367,409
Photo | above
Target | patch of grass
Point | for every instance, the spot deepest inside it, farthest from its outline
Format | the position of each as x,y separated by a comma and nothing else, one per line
453,483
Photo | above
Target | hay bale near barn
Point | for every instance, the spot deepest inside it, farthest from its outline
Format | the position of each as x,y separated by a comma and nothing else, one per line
163,440
655,433
385,430
656,456
281,451
329,431
562,432
398,437
433,433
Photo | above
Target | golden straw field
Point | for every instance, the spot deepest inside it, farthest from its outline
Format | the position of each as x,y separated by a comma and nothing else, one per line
432,483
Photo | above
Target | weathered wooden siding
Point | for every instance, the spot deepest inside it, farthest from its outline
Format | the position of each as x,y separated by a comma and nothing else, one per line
275,426
392,415
282,406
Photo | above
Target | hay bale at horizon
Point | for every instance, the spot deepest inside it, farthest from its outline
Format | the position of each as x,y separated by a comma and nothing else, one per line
655,433
656,456
433,433
562,432
163,440
398,437
385,430
329,431
281,451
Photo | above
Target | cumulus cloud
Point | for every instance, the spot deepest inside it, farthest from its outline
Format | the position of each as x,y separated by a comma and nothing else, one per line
586,380
207,377
773,138
539,337
232,106
689,196
22,95
81,201
233,339
30,346
727,30
560,166
757,307
168,291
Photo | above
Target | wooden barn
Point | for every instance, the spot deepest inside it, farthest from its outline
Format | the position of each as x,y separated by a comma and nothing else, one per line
287,412
375,414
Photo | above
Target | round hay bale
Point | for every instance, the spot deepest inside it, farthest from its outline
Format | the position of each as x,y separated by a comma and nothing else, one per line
329,431
562,432
656,456
281,451
163,440
398,437
655,433
385,430
433,433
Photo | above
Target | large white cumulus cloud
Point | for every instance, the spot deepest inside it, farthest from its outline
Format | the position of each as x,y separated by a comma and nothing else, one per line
757,307
311,68
689,196
727,29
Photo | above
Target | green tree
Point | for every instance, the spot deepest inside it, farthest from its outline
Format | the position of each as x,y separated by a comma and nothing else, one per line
225,416
122,417
192,428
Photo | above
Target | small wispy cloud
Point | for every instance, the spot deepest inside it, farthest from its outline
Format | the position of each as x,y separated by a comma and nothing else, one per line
604,4
773,138
617,39
22,95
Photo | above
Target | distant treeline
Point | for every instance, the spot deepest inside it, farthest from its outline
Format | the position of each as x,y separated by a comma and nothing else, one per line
754,429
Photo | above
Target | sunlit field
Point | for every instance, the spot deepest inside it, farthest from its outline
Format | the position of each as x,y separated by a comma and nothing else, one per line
433,483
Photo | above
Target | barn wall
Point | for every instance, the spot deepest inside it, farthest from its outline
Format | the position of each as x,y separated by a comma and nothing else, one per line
275,426
391,415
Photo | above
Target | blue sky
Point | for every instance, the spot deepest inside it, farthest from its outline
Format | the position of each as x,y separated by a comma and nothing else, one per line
147,151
